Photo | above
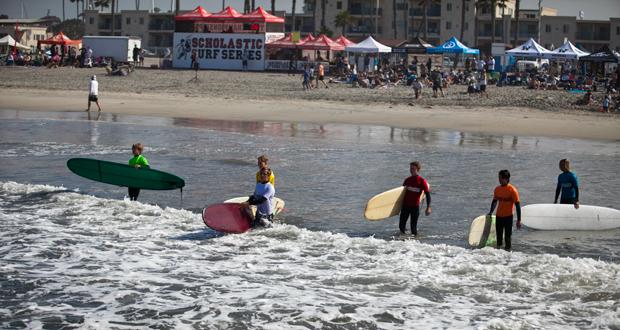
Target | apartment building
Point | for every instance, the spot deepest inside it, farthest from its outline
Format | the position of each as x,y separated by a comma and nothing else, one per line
404,19
155,29
32,30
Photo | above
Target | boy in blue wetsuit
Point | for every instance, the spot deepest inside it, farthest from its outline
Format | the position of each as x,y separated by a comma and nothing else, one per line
137,161
568,185
264,199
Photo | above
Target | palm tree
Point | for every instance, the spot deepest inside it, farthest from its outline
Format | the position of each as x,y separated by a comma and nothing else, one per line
343,19
425,4
77,8
464,4
517,10
293,15
63,10
113,10
177,7
323,4
394,20
102,4
273,7
492,5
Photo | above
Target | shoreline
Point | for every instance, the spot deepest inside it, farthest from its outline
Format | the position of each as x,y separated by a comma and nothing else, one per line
502,121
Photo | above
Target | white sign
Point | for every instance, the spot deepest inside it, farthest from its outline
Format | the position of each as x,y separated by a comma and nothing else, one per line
226,51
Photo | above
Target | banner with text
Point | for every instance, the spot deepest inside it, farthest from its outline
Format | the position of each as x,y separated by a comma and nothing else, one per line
223,51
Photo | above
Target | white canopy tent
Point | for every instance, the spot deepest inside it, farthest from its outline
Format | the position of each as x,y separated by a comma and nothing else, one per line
567,51
369,45
529,49
7,40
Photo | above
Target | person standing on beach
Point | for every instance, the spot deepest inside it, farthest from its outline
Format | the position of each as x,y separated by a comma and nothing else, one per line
482,82
414,185
93,92
321,76
136,54
306,79
568,185
137,161
263,163
244,60
508,197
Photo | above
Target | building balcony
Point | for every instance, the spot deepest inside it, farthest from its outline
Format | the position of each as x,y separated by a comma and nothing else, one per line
365,11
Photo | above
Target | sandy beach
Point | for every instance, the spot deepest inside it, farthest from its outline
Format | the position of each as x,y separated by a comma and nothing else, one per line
279,97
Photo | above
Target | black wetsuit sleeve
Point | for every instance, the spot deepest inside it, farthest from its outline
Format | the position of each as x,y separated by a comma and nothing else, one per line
557,193
518,209
493,204
253,200
576,194
428,199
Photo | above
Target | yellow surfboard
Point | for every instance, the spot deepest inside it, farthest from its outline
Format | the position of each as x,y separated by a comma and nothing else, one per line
386,204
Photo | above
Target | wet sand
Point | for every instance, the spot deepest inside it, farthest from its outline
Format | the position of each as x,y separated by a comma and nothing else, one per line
279,97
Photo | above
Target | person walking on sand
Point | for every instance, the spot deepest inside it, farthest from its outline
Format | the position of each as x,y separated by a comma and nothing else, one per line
306,79
568,185
508,197
414,185
93,92
321,76
137,161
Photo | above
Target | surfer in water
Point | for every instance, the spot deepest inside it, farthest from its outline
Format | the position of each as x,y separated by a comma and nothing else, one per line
263,162
137,161
568,185
264,199
414,185
507,196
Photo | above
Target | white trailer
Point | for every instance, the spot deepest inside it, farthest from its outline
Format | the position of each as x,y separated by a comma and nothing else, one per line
120,48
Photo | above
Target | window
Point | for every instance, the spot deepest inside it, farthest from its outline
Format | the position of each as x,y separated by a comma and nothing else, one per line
91,20
339,5
448,6
565,28
142,20
448,25
128,21
547,28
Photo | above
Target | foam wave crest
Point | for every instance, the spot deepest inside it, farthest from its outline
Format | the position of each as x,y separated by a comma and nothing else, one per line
75,260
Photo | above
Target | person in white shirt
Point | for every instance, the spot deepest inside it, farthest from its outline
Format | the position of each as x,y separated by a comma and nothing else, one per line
93,92
491,64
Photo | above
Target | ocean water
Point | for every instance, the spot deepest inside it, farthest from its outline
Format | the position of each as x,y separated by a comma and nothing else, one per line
77,254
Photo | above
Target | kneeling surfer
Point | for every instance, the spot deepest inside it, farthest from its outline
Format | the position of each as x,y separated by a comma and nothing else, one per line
264,199
137,161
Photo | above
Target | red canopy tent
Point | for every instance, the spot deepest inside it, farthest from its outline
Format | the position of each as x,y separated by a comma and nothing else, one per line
284,42
322,42
344,41
229,14
198,14
261,16
59,39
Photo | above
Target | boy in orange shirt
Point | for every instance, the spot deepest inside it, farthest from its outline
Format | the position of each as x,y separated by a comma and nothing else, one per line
507,196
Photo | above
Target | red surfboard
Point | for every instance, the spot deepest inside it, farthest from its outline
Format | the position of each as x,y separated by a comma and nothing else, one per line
227,218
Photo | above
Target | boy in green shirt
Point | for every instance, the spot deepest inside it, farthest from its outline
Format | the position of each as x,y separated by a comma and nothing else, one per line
137,161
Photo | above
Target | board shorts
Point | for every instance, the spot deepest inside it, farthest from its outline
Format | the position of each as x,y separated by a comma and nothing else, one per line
321,78
483,88
93,98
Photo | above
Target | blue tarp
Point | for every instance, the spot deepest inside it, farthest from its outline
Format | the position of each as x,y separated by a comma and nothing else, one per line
453,46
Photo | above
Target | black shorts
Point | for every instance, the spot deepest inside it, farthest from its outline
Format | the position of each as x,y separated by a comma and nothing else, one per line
483,88
321,78
93,98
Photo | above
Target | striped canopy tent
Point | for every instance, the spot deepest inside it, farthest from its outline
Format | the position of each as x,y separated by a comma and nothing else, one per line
343,41
529,49
260,15
322,42
198,14
59,39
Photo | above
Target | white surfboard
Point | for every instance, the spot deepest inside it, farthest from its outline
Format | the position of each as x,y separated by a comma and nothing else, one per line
386,204
277,209
482,231
566,217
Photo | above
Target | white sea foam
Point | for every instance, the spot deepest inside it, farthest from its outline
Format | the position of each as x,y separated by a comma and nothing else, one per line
99,263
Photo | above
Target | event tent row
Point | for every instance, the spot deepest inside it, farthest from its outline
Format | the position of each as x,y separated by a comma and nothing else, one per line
229,15
322,42
532,49
7,40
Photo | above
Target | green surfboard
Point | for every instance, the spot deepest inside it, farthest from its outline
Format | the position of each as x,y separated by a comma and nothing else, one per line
124,175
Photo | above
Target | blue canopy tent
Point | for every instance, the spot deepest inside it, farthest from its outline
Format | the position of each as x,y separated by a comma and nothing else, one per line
453,46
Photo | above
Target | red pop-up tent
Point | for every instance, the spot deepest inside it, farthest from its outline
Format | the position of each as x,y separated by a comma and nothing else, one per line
261,16
59,39
229,14
344,41
322,42
198,14
284,42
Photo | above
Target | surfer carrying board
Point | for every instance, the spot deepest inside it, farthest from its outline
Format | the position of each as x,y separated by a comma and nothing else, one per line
568,185
137,161
507,196
264,199
263,162
414,185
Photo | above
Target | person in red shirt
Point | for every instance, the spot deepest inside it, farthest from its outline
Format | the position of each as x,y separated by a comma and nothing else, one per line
414,185
507,196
